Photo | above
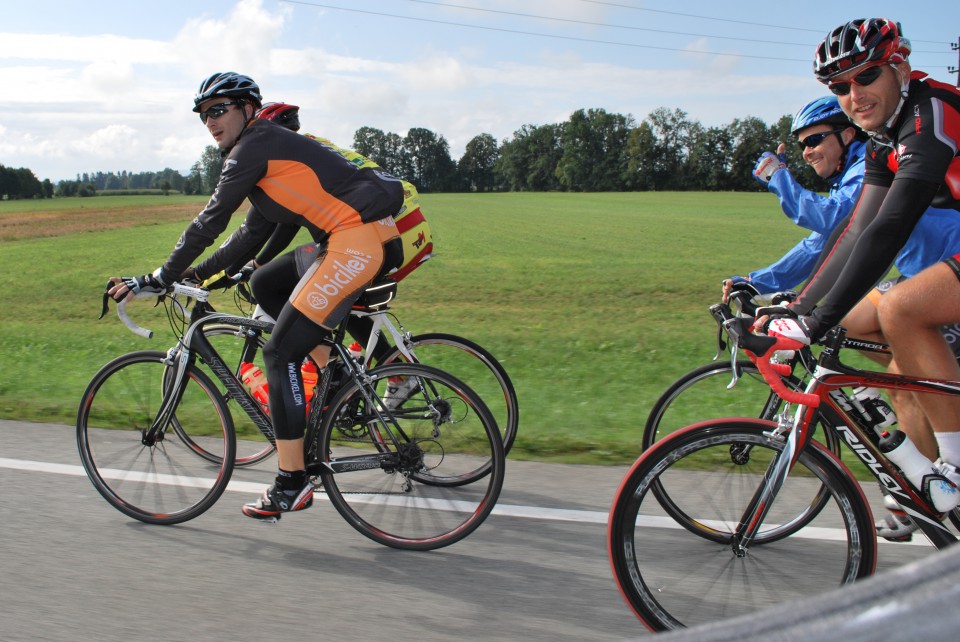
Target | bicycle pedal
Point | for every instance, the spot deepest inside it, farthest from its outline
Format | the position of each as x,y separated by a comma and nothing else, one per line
269,520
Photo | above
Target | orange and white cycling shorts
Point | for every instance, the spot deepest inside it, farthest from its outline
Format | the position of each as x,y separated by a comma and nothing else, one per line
336,280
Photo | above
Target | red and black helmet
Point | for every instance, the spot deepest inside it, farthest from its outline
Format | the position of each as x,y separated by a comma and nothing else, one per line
282,114
228,84
859,43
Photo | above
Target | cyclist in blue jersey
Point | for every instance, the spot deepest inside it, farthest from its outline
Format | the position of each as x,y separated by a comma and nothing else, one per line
834,148
913,162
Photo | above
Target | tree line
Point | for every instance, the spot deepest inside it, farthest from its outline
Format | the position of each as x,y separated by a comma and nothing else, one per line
23,183
90,183
593,151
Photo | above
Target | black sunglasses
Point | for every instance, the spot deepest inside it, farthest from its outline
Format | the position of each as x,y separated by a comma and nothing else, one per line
814,140
866,77
216,111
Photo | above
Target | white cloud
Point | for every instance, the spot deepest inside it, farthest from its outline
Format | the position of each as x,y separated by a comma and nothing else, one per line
109,78
65,48
437,71
241,43
110,142
83,103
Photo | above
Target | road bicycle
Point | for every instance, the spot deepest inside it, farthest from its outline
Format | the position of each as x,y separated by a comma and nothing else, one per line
465,359
735,387
157,439
725,387
733,481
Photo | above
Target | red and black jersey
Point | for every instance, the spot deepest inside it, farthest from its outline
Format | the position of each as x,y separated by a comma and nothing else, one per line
290,179
917,166
925,142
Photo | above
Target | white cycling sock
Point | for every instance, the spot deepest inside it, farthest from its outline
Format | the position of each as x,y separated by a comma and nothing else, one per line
949,443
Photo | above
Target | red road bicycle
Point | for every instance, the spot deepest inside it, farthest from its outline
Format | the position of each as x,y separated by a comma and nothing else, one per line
718,548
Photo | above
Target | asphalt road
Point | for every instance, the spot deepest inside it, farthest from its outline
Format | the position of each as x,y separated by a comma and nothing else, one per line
74,568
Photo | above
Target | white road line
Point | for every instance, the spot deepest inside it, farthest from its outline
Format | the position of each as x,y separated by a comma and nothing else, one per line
503,510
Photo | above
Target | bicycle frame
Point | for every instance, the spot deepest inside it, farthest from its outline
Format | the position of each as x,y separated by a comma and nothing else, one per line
195,344
824,388
381,320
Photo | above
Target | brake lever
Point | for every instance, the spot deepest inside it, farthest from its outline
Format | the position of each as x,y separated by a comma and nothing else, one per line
728,327
106,301
721,342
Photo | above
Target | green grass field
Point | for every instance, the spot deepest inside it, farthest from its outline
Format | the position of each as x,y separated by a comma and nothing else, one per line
594,303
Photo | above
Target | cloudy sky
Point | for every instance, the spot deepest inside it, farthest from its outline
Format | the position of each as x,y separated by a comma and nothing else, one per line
108,85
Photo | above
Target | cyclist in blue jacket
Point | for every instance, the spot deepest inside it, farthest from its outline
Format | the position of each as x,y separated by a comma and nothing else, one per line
835,148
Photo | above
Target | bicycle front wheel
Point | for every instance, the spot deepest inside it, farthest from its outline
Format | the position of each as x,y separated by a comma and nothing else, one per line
420,476
702,394
673,575
477,368
155,478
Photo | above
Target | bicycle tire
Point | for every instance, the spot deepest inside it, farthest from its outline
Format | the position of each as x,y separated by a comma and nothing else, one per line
475,371
252,446
711,399
672,576
432,490
163,482
701,395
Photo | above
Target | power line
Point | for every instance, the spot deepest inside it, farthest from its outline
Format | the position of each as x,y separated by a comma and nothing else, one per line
607,25
742,22
599,24
690,15
539,35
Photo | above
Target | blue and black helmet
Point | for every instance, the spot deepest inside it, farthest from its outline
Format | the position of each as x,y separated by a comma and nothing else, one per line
822,111
228,84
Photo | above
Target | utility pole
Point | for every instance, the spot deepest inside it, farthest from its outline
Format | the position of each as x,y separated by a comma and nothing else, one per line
956,70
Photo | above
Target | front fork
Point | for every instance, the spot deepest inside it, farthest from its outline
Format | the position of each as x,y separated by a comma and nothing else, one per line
773,479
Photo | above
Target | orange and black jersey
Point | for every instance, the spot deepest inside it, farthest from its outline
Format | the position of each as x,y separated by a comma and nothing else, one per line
290,179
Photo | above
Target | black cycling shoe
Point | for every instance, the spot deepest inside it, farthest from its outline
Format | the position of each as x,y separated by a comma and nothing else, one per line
274,502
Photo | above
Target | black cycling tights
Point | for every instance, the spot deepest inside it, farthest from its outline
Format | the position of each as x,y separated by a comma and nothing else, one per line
292,339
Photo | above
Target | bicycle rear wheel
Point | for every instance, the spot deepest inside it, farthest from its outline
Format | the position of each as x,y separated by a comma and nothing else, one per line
673,575
162,480
419,477
477,368
702,394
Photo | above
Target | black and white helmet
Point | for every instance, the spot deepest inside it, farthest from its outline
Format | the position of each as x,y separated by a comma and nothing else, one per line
228,84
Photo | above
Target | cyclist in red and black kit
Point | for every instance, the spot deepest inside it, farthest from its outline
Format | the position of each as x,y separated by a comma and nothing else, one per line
912,163
289,179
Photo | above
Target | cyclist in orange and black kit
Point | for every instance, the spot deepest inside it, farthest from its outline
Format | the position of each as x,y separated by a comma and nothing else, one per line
289,179
913,162
259,262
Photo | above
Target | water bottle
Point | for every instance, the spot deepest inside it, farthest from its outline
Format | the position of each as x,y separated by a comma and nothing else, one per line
873,408
356,351
309,373
255,381
919,470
